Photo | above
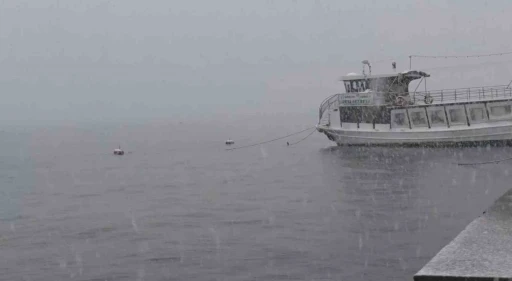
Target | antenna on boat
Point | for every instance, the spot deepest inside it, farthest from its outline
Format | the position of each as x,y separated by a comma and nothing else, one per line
366,62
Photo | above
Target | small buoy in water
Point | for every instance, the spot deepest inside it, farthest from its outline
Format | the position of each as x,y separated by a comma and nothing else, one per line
287,143
230,142
118,151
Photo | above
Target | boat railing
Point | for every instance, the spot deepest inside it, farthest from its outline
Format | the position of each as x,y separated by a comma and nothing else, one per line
472,94
326,104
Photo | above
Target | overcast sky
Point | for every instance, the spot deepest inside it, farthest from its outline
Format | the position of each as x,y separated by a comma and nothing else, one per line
126,59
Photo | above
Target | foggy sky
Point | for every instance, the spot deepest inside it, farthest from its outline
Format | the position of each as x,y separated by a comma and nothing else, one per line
124,59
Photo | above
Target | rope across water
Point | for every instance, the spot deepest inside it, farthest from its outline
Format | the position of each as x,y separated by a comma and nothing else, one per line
280,138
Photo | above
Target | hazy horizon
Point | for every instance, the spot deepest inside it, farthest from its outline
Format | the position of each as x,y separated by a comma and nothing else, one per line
95,61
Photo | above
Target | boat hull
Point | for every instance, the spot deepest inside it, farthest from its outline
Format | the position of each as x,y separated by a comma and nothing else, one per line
475,135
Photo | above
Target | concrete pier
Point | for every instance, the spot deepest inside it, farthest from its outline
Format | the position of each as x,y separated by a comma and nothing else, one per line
482,251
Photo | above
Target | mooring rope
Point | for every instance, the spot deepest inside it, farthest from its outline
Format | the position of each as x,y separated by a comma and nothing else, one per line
303,138
263,142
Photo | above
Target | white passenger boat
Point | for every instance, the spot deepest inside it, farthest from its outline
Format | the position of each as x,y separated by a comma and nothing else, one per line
380,110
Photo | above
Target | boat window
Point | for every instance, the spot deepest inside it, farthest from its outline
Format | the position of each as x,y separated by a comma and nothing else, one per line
350,114
500,110
437,116
355,86
399,119
418,117
375,114
477,114
457,116
368,114
362,86
382,116
348,89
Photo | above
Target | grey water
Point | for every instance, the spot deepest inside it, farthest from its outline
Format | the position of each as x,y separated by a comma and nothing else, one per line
178,206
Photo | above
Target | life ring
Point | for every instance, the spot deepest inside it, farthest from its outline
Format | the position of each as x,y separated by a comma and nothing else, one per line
400,101
428,99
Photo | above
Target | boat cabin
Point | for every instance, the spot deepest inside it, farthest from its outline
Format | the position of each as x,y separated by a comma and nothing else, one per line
389,86
368,97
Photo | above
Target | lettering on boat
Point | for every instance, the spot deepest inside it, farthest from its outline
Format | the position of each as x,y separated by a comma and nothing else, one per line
357,99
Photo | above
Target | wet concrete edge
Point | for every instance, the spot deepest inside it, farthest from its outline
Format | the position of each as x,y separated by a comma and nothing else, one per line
482,251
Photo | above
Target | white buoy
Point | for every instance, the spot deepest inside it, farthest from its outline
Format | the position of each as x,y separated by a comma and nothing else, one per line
230,142
118,151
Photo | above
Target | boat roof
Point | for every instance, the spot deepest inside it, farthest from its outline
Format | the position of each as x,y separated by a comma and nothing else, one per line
415,74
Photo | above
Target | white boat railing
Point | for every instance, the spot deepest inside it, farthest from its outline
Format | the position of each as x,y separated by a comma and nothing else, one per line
332,101
473,94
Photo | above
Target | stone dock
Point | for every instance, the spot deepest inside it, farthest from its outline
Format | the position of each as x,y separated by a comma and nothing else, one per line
482,251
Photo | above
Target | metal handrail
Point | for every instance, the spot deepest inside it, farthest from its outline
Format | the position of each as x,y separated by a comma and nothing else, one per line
326,104
472,94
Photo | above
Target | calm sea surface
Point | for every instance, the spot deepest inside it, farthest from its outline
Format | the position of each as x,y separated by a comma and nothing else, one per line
178,206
